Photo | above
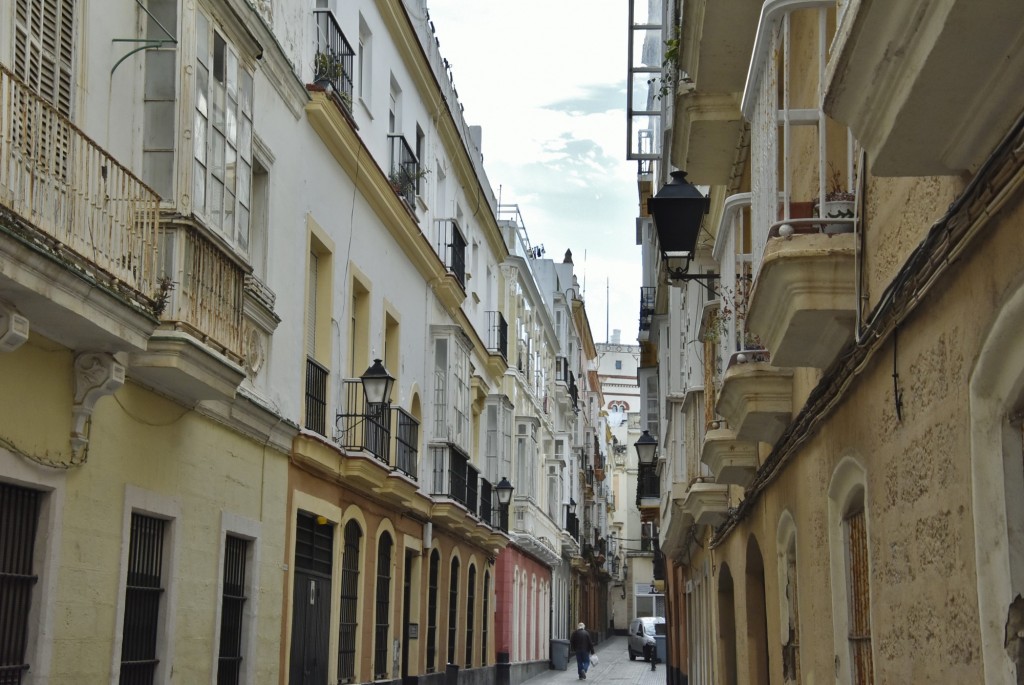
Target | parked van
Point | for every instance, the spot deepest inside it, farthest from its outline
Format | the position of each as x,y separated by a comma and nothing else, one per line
641,636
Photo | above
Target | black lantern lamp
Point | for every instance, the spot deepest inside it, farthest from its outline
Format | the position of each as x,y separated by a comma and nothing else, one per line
646,446
377,383
678,211
504,490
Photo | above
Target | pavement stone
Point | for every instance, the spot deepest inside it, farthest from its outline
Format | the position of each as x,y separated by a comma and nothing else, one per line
614,668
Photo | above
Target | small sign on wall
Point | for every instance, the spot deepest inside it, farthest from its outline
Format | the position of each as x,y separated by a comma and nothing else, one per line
413,631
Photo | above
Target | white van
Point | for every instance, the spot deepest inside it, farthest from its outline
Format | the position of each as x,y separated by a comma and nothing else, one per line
641,636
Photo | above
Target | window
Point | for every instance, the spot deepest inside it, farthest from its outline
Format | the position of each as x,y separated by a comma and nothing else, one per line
222,134
349,600
470,616
421,151
453,611
143,593
618,364
435,565
159,99
19,518
858,589
364,61
229,660
451,392
318,341
43,48
381,648
485,618
395,108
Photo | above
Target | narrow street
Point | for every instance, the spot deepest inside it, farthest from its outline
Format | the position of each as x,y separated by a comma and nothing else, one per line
614,668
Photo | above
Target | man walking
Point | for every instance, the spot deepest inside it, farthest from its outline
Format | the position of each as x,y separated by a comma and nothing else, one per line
581,643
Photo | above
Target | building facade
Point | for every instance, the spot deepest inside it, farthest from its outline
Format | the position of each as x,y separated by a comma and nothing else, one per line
220,221
839,399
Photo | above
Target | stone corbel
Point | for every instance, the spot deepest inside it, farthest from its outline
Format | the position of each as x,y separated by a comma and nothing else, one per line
97,374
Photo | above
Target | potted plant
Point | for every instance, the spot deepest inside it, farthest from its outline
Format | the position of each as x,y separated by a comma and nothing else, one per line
839,204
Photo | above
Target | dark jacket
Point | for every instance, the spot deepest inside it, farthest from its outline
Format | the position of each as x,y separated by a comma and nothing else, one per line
580,641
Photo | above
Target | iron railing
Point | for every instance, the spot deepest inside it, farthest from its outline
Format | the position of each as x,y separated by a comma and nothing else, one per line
407,432
382,624
364,426
454,476
229,660
451,248
143,591
648,484
316,396
405,172
497,334
332,62
647,294
89,206
206,301
488,503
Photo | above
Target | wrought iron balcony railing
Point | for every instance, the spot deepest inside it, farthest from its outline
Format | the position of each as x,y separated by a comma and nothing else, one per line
648,484
405,172
489,507
407,431
316,396
647,294
334,56
451,248
497,334
453,476
364,426
81,199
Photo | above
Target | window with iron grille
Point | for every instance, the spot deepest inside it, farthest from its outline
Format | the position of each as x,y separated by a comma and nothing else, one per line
435,567
859,593
19,518
383,615
229,666
486,618
470,616
453,610
143,593
349,603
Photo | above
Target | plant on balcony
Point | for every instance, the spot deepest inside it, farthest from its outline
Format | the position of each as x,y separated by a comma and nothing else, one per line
329,71
839,203
733,305
163,296
404,182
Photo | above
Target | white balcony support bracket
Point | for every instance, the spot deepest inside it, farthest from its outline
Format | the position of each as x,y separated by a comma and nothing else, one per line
97,374
13,329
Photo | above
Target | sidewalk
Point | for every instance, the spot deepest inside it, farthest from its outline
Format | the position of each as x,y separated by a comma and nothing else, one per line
615,667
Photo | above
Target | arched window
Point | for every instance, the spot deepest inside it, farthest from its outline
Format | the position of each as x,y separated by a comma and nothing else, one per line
349,603
486,618
383,613
470,615
435,567
453,610
727,625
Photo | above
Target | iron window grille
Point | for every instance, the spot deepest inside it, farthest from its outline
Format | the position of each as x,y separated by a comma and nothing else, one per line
435,564
383,622
349,602
229,660
453,610
497,334
470,616
486,618
143,593
19,519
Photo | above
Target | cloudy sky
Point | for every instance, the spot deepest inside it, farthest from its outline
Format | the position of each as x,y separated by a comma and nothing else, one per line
546,81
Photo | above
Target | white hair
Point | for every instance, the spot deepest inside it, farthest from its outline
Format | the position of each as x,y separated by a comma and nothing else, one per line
581,626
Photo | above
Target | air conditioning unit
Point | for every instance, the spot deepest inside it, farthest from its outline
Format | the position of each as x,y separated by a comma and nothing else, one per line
13,329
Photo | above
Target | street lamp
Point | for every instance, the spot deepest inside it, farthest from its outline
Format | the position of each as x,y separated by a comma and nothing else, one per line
646,446
572,506
504,490
678,211
377,383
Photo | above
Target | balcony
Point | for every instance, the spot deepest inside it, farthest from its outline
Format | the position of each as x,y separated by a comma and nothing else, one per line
332,63
406,447
648,487
647,294
316,397
451,248
756,398
363,427
78,231
497,334
939,103
405,174
802,305
731,460
562,372
707,503
714,54
196,353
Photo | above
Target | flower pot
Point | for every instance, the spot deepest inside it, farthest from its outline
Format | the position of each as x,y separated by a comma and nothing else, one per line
837,209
